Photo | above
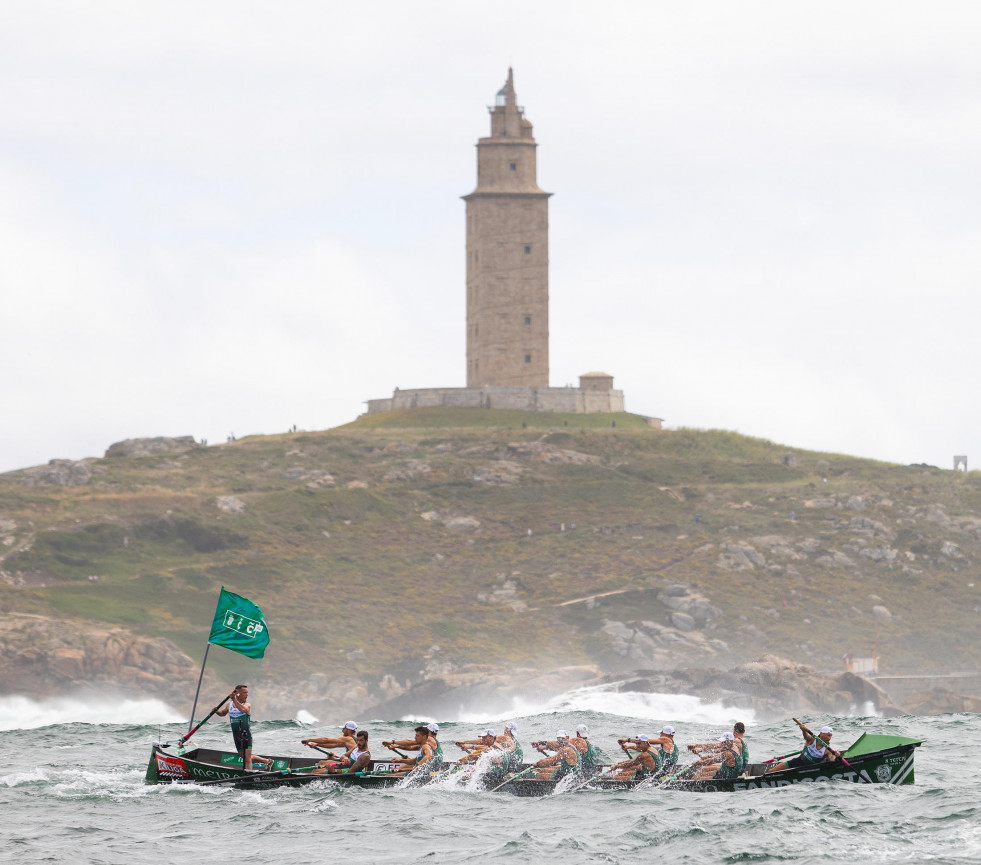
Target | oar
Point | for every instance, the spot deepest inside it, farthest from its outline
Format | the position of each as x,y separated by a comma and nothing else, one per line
190,733
685,769
514,778
594,778
396,750
834,753
330,754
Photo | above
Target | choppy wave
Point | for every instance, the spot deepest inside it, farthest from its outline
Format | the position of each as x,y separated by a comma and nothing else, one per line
23,713
608,699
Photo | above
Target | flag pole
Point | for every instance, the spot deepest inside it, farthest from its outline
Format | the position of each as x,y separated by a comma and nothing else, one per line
198,691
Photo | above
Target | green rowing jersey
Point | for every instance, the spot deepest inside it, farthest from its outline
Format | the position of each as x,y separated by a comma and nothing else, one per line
669,760
589,760
727,772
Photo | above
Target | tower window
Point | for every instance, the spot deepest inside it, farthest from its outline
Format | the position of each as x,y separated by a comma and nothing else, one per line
527,358
527,250
527,319
514,166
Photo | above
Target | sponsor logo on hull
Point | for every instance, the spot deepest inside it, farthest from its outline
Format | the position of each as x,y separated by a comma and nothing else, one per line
172,768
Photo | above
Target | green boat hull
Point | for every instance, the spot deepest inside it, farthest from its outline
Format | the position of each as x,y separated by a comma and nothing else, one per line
872,759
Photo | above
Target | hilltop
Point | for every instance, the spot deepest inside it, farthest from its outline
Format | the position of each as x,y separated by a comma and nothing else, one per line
446,542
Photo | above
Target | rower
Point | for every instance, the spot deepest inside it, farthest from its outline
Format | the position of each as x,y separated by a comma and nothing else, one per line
346,740
508,743
432,731
355,760
565,760
719,761
815,750
426,758
476,747
589,759
739,730
662,745
645,765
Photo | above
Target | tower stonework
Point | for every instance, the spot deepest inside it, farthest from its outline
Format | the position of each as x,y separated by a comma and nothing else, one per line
507,255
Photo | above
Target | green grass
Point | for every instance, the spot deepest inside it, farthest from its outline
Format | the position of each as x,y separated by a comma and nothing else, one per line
357,567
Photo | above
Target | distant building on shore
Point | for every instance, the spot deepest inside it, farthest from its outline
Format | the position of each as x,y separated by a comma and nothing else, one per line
507,287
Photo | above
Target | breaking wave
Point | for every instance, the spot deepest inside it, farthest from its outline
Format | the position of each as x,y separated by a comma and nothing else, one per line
23,713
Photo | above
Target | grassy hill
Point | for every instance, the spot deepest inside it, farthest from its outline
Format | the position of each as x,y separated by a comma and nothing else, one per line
432,538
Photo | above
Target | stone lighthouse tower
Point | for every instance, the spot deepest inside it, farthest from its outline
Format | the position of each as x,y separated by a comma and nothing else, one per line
507,255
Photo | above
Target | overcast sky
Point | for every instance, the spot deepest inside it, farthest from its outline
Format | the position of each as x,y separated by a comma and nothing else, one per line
232,217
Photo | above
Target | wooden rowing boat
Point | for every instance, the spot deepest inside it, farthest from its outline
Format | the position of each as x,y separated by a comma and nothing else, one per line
872,759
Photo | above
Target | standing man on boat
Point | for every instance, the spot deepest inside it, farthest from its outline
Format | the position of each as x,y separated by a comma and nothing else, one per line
815,750
346,740
239,710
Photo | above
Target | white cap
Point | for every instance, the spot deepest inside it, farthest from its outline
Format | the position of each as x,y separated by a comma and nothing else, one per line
727,737
488,732
510,725
433,728
643,738
668,730
562,734
350,725
827,730
582,730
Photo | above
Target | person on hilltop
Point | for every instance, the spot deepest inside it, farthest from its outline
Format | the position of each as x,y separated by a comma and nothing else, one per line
815,750
426,759
646,764
239,711
346,740
565,760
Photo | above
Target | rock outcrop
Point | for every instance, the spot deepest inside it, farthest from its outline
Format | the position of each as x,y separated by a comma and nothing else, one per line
41,657
151,446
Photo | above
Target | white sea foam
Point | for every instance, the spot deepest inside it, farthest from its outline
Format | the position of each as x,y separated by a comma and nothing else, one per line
23,713
304,717
630,704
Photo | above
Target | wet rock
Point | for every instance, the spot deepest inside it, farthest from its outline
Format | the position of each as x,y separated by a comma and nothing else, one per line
881,612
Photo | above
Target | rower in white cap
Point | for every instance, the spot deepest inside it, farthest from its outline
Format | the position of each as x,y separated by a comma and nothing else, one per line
645,765
662,745
565,760
719,760
476,747
345,740
589,759
815,750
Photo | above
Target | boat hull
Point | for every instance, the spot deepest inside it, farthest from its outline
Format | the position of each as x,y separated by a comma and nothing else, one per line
890,765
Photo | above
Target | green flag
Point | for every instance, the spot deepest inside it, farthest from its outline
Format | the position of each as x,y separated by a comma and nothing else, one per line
239,625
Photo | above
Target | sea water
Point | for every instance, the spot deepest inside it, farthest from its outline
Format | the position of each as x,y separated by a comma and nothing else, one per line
71,790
